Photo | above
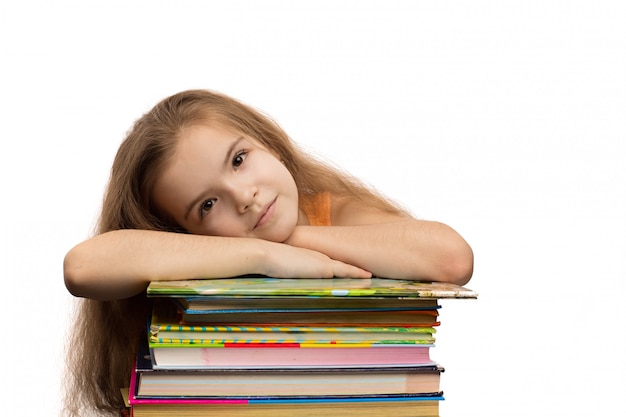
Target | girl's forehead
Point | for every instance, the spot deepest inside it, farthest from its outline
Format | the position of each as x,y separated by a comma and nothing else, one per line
220,131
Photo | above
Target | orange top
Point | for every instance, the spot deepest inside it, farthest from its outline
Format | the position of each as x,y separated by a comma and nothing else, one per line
317,209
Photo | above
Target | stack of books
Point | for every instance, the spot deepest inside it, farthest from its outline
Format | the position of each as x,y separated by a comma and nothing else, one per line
259,346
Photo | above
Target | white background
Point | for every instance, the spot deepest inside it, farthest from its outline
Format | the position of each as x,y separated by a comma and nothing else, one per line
504,119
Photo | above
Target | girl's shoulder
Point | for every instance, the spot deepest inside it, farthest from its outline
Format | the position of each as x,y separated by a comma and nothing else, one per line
326,209
318,209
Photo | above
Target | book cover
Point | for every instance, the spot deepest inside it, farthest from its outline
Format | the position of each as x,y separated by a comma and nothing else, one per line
192,306
292,341
301,321
292,383
285,355
358,407
167,317
385,318
336,287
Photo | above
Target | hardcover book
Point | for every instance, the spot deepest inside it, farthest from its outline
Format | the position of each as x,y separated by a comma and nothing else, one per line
255,286
198,306
347,407
282,383
287,355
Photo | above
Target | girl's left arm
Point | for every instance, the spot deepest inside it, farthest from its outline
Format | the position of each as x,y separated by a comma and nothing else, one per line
390,245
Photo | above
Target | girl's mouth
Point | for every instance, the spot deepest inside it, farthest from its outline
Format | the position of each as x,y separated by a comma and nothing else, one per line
266,214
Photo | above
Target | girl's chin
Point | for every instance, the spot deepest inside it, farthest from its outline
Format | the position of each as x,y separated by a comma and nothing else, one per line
278,235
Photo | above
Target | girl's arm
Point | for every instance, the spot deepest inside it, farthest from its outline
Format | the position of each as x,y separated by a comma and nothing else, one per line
390,245
121,263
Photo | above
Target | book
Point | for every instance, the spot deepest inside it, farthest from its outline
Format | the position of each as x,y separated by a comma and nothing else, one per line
412,318
294,355
296,383
336,287
223,304
170,314
167,327
290,383
349,407
293,335
219,335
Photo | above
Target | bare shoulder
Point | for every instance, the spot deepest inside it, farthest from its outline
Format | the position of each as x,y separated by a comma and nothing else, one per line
345,211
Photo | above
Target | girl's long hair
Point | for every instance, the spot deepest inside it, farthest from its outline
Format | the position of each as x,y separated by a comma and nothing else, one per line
105,334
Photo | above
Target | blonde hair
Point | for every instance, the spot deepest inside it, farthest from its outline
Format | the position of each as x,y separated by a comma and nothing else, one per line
102,347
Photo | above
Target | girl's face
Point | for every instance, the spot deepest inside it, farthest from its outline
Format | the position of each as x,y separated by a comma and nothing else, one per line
223,183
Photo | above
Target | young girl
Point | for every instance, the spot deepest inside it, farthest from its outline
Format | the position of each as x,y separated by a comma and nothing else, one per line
204,186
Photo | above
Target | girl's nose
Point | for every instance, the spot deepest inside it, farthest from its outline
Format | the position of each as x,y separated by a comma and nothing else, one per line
244,197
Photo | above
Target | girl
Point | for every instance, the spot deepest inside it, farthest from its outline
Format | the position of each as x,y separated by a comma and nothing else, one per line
204,186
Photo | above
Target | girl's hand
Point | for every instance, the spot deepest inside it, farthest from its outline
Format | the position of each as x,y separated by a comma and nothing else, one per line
285,261
401,249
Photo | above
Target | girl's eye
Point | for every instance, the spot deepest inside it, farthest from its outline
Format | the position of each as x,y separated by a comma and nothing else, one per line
239,158
206,206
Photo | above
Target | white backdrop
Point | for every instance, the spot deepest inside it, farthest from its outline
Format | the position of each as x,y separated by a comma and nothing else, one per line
504,119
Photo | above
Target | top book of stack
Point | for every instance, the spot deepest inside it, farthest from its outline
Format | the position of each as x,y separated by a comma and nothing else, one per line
261,286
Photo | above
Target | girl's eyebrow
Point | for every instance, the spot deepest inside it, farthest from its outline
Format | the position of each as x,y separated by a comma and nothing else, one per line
227,161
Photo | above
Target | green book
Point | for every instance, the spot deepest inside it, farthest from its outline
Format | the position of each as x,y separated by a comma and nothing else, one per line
261,286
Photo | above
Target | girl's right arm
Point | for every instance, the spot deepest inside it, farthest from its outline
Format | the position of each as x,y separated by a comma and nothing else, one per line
122,263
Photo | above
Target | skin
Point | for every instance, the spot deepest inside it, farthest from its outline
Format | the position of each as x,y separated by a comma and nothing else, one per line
240,204
222,183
